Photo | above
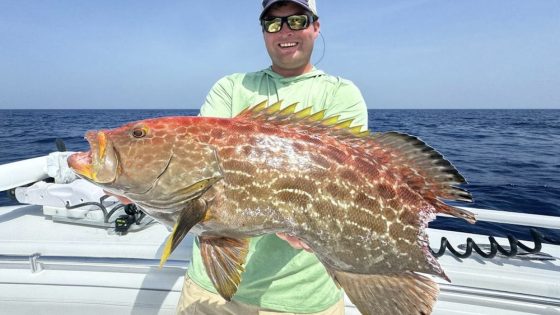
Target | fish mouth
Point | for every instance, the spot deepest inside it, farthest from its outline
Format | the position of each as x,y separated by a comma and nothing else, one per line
100,163
80,163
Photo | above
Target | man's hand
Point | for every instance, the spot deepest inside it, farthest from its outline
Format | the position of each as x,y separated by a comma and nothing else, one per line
294,241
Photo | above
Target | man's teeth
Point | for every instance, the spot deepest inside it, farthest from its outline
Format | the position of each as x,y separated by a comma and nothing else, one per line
285,45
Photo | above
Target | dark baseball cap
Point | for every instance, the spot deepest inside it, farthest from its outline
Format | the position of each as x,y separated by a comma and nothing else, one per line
308,5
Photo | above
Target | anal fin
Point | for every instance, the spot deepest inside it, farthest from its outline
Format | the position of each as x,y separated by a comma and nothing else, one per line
224,259
389,294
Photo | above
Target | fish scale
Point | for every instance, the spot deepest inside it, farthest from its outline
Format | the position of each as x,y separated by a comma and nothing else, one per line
361,202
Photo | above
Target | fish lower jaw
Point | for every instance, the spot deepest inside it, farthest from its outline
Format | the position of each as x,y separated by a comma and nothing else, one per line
81,163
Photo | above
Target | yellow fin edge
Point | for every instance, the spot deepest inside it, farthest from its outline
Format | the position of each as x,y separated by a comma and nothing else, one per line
307,114
288,110
167,248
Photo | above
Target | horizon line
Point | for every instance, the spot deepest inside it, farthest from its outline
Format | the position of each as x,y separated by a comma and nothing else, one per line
375,108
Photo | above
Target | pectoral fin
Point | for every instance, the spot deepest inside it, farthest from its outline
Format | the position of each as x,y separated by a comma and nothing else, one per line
405,293
189,217
198,188
224,258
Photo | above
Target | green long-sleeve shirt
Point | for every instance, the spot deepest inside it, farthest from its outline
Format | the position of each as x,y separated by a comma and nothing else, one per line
277,276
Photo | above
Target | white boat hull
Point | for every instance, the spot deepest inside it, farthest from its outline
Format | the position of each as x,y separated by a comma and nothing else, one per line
55,268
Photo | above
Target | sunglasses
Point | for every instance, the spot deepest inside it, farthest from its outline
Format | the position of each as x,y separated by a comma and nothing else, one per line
295,22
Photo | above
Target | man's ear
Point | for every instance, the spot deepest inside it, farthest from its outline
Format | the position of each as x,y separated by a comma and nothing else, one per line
316,28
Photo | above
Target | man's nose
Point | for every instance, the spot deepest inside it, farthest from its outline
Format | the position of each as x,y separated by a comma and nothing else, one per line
284,28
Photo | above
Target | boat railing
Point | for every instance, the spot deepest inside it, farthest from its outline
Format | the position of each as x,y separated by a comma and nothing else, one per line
517,218
37,262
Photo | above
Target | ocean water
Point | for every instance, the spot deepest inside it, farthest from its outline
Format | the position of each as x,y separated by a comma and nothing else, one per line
510,158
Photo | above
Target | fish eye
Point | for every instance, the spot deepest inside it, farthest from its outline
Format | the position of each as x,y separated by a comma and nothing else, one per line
139,133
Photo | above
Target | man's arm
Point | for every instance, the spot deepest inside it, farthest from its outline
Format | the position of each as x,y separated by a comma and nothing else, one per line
348,102
218,102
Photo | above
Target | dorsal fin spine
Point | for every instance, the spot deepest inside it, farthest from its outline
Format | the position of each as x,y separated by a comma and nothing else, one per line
250,111
356,130
317,117
289,115
345,124
330,121
288,110
274,108
303,113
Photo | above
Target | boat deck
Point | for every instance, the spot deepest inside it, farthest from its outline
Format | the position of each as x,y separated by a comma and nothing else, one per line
72,269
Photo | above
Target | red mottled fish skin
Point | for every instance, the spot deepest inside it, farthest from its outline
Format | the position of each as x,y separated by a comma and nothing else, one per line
361,202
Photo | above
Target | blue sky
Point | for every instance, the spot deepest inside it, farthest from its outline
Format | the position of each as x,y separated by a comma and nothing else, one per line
167,54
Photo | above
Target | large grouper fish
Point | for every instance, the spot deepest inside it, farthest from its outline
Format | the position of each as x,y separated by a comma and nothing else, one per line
360,201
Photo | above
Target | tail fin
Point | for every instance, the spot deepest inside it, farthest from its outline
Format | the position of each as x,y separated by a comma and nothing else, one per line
388,294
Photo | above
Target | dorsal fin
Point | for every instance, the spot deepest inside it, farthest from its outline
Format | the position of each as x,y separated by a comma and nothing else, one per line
424,169
305,117
249,111
427,171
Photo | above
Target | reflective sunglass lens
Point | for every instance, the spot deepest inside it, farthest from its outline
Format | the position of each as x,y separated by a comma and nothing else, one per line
273,26
295,23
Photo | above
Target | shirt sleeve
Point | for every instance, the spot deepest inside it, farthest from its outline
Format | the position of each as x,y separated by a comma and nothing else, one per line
218,102
348,102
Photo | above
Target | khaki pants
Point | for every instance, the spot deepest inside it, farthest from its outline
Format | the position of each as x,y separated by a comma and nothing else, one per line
197,301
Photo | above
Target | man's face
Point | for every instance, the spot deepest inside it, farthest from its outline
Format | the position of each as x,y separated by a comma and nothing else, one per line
289,50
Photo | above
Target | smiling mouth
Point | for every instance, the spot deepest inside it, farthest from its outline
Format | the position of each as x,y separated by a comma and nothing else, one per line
287,45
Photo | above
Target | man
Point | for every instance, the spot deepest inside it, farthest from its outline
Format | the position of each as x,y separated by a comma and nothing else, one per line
279,277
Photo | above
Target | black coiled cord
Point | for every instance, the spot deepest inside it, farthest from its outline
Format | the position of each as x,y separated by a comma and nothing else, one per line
514,243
